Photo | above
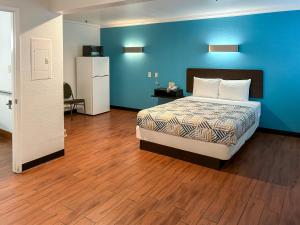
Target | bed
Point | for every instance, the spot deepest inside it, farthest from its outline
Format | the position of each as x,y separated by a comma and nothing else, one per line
206,131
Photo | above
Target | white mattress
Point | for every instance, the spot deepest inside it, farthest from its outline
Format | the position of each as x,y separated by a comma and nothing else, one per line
215,150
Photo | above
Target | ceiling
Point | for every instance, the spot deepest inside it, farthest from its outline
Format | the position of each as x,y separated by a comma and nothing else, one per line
134,12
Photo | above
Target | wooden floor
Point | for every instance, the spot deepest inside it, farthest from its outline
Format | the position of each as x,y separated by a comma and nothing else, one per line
5,156
105,179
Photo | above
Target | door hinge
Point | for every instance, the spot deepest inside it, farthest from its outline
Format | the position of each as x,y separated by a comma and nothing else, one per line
16,101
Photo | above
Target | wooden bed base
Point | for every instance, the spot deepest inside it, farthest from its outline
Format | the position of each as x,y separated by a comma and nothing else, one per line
183,155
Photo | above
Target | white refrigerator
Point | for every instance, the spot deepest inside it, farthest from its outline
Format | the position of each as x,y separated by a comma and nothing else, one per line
93,84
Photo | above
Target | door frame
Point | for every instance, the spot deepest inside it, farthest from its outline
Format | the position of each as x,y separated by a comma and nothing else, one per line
16,150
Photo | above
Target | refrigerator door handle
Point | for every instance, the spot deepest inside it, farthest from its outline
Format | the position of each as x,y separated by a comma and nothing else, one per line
101,76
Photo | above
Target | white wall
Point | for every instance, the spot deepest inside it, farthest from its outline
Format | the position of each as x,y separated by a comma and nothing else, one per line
75,36
6,22
6,50
40,120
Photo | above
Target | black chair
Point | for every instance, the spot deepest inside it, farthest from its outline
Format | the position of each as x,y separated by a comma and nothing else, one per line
70,100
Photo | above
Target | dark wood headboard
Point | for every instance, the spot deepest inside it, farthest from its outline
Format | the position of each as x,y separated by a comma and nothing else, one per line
256,76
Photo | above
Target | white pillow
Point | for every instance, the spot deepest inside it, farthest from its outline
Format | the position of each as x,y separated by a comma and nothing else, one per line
234,89
208,88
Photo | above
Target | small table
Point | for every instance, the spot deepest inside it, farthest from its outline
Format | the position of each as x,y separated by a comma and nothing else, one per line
163,93
168,97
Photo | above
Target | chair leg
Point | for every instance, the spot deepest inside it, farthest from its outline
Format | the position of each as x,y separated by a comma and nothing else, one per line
84,107
71,110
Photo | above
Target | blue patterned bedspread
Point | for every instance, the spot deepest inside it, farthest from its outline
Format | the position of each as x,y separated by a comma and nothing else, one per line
204,121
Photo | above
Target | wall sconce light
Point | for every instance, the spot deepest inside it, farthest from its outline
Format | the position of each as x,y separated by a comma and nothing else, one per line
223,48
133,49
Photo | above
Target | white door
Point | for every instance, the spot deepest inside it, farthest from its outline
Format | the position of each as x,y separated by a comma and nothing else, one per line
101,98
100,66
10,80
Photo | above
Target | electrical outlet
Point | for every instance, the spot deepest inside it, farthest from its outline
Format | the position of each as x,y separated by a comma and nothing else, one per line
9,69
156,74
149,74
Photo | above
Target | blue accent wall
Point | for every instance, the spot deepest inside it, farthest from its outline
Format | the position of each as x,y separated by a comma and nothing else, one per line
270,42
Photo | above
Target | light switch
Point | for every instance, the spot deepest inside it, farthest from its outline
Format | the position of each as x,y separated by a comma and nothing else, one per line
149,74
156,74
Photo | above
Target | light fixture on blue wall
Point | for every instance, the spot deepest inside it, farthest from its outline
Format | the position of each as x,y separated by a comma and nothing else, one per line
133,49
223,48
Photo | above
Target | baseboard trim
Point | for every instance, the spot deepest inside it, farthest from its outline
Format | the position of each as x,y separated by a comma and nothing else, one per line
281,132
44,159
124,108
5,133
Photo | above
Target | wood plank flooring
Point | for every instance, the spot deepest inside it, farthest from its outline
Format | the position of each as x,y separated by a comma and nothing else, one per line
105,179
5,155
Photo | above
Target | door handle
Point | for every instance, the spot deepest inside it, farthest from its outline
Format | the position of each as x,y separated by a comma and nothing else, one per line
9,104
